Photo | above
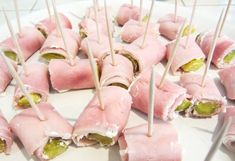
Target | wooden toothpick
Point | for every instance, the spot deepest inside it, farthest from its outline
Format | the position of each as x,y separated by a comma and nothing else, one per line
212,48
17,15
48,8
95,75
22,87
141,10
172,56
147,25
33,6
110,34
176,10
191,23
62,32
96,21
151,103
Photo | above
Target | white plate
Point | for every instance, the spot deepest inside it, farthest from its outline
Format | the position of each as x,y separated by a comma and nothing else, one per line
195,134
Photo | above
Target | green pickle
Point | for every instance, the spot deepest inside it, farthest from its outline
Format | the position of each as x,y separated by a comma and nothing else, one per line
183,106
54,147
134,62
23,101
145,18
104,140
186,31
206,108
10,54
193,65
42,32
2,145
82,33
50,56
119,85
230,57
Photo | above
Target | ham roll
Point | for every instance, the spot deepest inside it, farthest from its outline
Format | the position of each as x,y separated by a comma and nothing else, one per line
36,81
47,25
30,40
206,100
152,53
163,145
6,136
65,77
127,12
168,27
227,78
44,139
133,29
54,48
121,74
224,53
95,125
167,98
186,59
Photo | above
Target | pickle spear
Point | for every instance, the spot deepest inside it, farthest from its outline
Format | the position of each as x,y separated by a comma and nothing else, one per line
103,140
206,108
119,85
193,65
230,57
183,106
23,101
10,54
2,146
186,31
50,56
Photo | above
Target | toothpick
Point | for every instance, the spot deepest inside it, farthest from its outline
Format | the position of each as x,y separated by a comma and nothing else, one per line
225,16
147,25
22,87
151,103
132,3
110,34
48,8
96,21
95,76
141,10
191,23
176,9
219,140
172,56
212,48
62,33
33,6
16,43
17,15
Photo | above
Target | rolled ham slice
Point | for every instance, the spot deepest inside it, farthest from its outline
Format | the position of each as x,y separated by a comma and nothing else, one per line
108,122
47,25
120,74
224,46
54,44
152,53
167,98
34,134
164,144
169,28
229,138
227,78
133,29
197,93
6,134
30,40
184,55
36,80
65,77
127,12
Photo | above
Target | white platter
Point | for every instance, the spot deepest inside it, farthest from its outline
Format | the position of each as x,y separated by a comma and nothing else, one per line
195,134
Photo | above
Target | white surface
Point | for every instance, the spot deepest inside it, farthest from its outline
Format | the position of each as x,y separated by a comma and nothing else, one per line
195,134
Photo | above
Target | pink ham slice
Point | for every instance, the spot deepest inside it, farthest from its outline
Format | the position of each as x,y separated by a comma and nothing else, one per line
54,43
47,25
224,46
167,99
164,144
152,53
6,133
65,77
36,81
184,55
30,40
34,134
227,78
127,12
197,93
120,74
108,122
132,30
169,28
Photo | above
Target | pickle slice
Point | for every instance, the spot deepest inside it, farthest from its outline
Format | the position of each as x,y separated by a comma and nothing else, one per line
119,85
103,140
50,56
82,33
183,106
229,57
193,65
134,62
206,108
2,146
10,54
186,31
23,101
54,147
43,32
